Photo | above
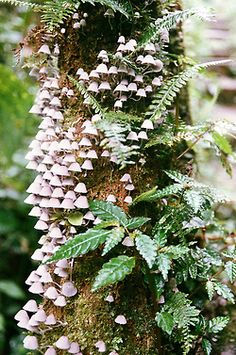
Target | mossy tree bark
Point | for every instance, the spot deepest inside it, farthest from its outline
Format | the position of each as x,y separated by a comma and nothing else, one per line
89,318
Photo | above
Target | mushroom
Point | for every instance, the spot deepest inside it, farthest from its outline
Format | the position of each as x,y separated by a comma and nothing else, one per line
121,320
81,188
44,49
60,301
31,306
74,348
30,342
82,202
128,242
68,289
101,346
51,293
63,343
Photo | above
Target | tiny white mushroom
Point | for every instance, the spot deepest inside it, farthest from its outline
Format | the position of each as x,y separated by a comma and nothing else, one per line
121,320
44,49
31,306
128,242
50,320
30,342
82,202
50,351
68,289
63,343
51,293
60,301
101,346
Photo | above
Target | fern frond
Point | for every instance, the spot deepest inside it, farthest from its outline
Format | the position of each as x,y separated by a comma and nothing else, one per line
115,139
88,97
168,22
123,7
168,92
55,13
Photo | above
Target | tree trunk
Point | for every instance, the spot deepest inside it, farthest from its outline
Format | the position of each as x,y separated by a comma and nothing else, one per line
88,317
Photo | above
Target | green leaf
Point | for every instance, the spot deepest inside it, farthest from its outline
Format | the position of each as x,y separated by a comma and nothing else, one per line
145,196
160,237
206,346
217,324
222,143
158,284
81,244
224,291
164,264
165,321
108,211
230,268
113,271
75,219
153,194
106,224
194,199
116,235
210,289
11,289
2,323
137,222
147,248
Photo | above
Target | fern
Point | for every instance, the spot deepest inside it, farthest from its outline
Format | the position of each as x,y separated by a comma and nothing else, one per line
167,94
115,141
88,97
168,22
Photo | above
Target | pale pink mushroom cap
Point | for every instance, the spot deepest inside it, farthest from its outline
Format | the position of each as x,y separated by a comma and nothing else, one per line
68,289
101,346
121,320
63,343
30,342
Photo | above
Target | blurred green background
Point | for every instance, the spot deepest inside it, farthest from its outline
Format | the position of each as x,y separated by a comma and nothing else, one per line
17,235
204,41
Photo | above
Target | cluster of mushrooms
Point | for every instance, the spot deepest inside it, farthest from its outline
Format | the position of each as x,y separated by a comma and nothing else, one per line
62,158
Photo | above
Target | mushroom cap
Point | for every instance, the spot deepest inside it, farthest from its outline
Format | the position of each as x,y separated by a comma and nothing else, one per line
102,69
30,342
55,232
36,288
63,263
68,289
101,346
41,225
87,165
40,315
35,212
109,299
51,293
93,87
81,187
57,192
148,124
50,320
31,306
104,86
44,49
63,343
50,351
121,319
130,187
125,178
121,39
128,199
85,142
21,315
82,202
111,198
75,167
128,242
67,204
74,348
142,135
148,59
141,93
60,301
132,136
